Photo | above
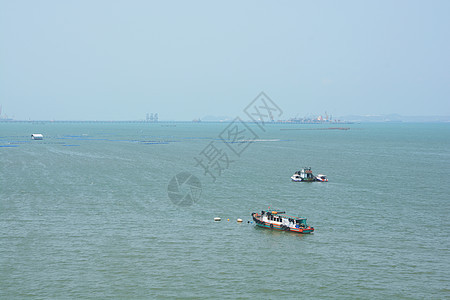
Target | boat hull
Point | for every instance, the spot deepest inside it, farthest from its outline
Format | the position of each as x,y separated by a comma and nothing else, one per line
301,180
308,180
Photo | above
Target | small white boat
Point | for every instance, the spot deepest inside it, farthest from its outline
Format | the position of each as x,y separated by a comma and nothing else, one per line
322,178
37,136
306,174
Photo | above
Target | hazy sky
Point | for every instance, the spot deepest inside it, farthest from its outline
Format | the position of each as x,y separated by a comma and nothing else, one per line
105,60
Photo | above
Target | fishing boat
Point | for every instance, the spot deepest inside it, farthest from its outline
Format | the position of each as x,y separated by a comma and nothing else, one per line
279,220
322,178
306,174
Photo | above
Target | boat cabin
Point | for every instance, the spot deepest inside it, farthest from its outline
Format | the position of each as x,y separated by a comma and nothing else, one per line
276,217
305,174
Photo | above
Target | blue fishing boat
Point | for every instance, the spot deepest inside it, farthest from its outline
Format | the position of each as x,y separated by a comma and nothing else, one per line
279,220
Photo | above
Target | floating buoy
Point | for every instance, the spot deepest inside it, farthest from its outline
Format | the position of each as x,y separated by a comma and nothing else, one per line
217,219
239,220
228,219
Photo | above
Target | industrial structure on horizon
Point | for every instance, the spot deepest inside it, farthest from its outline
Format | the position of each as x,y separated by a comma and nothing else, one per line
5,117
152,117
313,120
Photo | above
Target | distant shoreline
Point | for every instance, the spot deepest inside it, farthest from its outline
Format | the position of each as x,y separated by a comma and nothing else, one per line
169,122
443,120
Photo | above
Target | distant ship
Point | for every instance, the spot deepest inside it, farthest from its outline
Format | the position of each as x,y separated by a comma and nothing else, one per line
327,119
306,175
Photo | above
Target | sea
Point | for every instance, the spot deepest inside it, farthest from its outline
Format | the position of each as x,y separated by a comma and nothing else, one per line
119,210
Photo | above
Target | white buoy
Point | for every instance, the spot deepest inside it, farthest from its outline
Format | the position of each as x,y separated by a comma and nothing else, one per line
217,219
239,220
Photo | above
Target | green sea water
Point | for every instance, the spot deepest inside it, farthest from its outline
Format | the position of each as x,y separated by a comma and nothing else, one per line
85,213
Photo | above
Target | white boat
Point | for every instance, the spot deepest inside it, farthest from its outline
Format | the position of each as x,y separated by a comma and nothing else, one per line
322,178
306,174
37,136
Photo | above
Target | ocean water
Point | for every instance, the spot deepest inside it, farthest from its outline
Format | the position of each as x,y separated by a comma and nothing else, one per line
85,213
